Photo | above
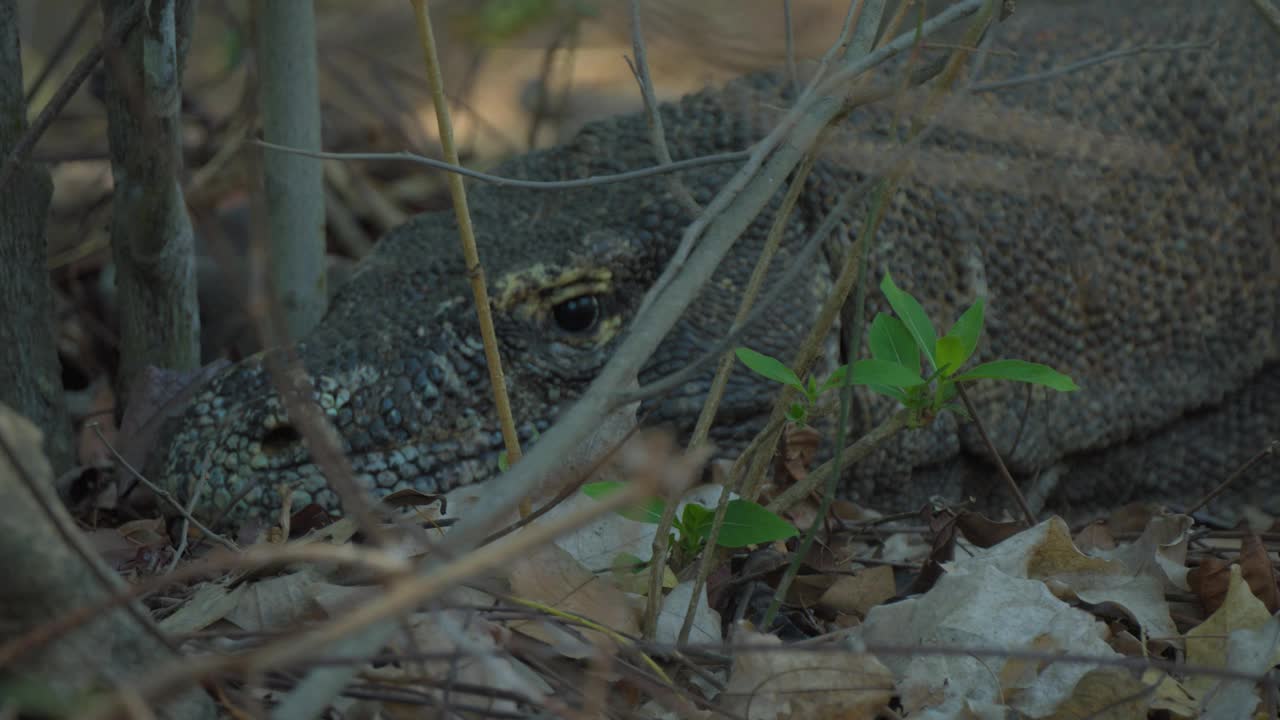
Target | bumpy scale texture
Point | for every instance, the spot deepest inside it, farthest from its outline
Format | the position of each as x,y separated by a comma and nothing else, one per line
1122,220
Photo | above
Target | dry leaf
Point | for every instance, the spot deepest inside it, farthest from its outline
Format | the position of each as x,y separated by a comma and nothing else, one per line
1131,518
210,603
1209,581
1106,694
1095,536
983,531
860,592
798,448
1046,553
1208,643
769,681
277,603
980,606
1255,565
552,577
706,622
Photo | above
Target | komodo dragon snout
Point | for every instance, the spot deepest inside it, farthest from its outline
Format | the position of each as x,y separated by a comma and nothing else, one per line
1122,220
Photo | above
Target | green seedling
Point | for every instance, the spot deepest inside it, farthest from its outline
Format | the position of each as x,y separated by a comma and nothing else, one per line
745,523
898,343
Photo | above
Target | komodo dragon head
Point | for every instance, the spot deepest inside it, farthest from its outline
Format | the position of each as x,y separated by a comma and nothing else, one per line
397,363
1122,220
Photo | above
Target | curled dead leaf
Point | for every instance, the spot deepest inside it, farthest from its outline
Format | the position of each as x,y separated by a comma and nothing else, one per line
1209,581
1255,565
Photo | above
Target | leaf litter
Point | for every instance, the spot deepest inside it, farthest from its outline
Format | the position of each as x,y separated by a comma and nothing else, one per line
1033,622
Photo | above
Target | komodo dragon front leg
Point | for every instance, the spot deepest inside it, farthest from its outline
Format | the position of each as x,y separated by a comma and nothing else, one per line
1122,220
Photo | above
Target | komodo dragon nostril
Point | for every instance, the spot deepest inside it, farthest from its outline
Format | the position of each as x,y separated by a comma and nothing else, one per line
280,440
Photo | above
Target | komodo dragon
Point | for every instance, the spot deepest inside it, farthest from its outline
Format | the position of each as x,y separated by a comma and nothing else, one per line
1121,218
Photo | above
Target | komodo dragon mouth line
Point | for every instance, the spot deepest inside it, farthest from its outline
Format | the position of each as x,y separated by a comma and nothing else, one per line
1122,220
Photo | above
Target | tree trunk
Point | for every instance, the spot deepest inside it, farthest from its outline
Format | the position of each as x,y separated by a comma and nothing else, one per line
31,381
290,100
151,234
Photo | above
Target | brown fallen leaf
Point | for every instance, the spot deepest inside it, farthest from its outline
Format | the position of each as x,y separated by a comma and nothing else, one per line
1131,518
773,682
983,531
1211,642
1255,565
1095,536
1209,581
552,577
1106,694
799,447
942,527
807,590
860,592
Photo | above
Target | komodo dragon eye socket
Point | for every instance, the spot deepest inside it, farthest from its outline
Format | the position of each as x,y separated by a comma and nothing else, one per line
577,315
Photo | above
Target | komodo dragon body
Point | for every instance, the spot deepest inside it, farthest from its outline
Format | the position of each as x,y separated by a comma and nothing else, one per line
1121,219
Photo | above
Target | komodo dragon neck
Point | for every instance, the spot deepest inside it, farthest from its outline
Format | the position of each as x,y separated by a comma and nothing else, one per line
1122,220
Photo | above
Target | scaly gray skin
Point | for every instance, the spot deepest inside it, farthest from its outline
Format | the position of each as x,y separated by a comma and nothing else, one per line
1122,220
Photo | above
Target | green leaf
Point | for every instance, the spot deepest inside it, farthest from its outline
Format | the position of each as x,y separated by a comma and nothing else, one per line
884,372
1020,371
836,377
950,354
769,367
811,390
650,511
968,328
696,522
891,341
625,562
877,372
893,392
797,413
746,523
912,316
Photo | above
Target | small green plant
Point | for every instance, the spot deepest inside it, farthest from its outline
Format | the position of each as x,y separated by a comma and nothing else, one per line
745,523
894,369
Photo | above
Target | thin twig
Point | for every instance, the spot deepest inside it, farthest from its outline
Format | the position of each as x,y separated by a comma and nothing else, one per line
21,149
653,114
161,493
1087,62
721,379
1269,12
60,50
294,387
1271,449
500,181
771,244
849,456
466,234
888,187
789,35
749,191
1028,517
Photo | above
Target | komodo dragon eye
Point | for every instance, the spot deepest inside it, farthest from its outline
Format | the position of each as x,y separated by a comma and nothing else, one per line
577,315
